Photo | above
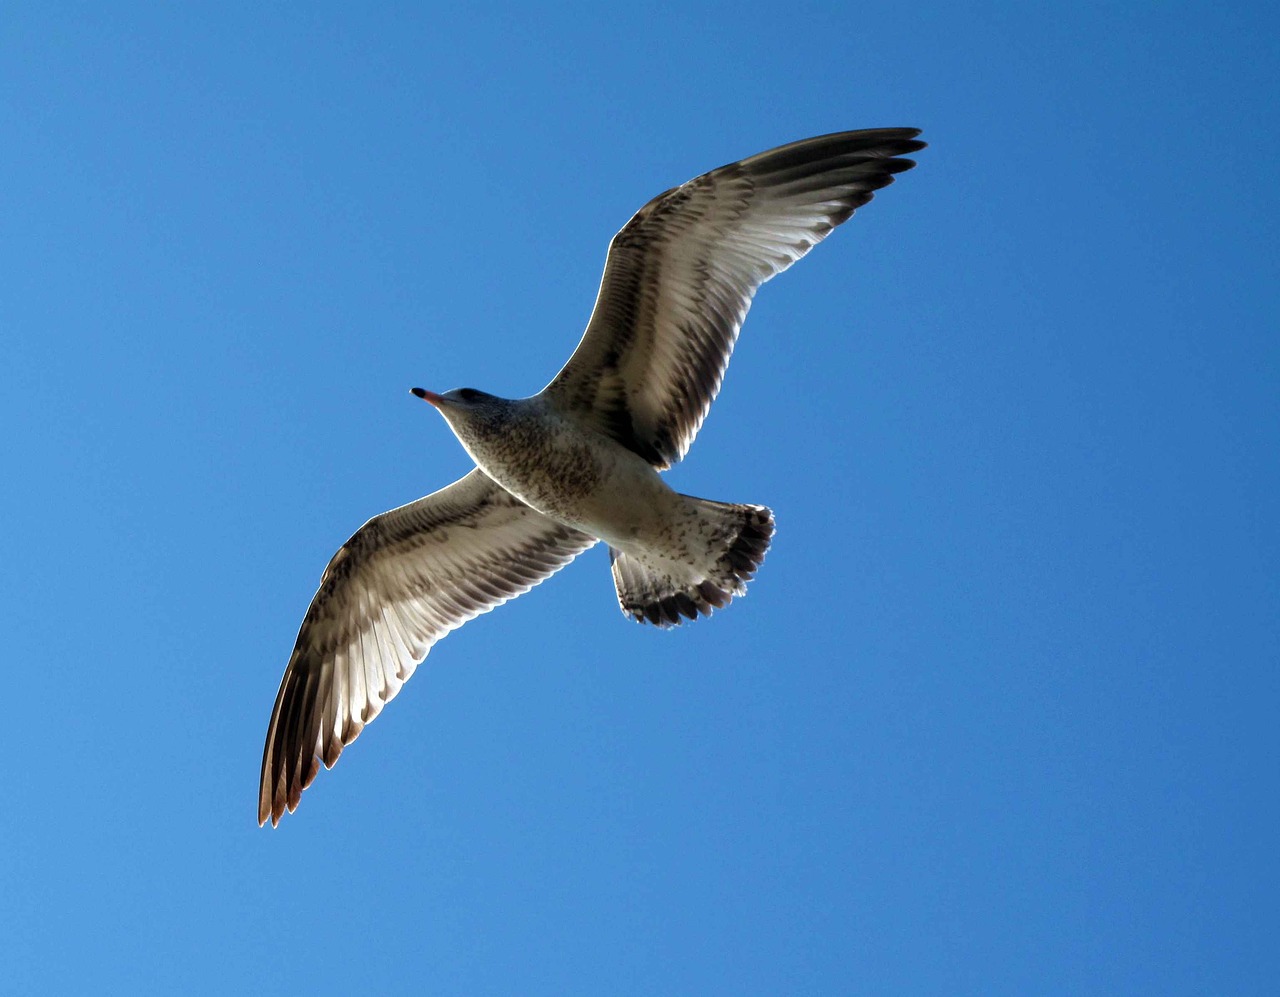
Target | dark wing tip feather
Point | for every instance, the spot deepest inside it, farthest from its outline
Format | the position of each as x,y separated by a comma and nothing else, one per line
294,750
878,142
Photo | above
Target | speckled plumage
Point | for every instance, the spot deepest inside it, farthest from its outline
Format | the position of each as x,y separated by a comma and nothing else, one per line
579,461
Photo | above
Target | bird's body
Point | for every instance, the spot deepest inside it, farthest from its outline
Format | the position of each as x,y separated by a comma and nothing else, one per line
569,472
561,467
579,461
674,556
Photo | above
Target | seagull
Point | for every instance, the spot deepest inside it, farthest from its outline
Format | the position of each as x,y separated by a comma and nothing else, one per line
578,462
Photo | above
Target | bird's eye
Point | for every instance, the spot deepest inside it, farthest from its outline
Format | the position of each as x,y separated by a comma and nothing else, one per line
468,394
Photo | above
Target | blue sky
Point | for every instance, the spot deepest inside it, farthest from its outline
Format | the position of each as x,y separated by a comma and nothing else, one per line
998,714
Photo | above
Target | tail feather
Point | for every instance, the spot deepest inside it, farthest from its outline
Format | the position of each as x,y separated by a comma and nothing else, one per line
729,542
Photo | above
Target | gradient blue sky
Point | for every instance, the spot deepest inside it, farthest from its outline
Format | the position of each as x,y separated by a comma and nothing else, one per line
999,714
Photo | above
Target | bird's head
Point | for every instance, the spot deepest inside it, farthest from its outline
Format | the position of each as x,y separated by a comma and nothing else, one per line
471,414
468,398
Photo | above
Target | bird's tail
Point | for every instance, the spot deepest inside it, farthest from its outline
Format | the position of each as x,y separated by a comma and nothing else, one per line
725,545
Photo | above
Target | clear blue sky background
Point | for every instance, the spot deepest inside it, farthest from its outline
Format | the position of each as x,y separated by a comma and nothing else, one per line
999,714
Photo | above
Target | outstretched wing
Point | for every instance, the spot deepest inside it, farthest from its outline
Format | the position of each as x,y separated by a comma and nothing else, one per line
681,274
403,581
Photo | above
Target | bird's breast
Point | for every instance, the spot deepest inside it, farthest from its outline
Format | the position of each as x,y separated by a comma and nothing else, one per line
576,476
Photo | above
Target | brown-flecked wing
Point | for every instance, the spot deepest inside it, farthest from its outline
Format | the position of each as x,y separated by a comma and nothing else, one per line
681,274
403,581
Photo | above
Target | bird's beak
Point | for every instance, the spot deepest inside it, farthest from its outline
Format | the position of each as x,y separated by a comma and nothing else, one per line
428,396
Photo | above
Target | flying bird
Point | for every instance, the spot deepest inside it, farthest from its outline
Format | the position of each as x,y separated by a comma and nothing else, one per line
579,461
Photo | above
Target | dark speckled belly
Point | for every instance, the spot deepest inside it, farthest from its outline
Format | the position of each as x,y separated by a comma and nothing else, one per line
549,464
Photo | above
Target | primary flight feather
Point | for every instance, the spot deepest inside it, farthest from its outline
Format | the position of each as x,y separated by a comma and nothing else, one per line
578,462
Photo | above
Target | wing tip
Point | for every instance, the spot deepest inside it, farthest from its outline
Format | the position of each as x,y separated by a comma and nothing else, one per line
281,786
267,809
